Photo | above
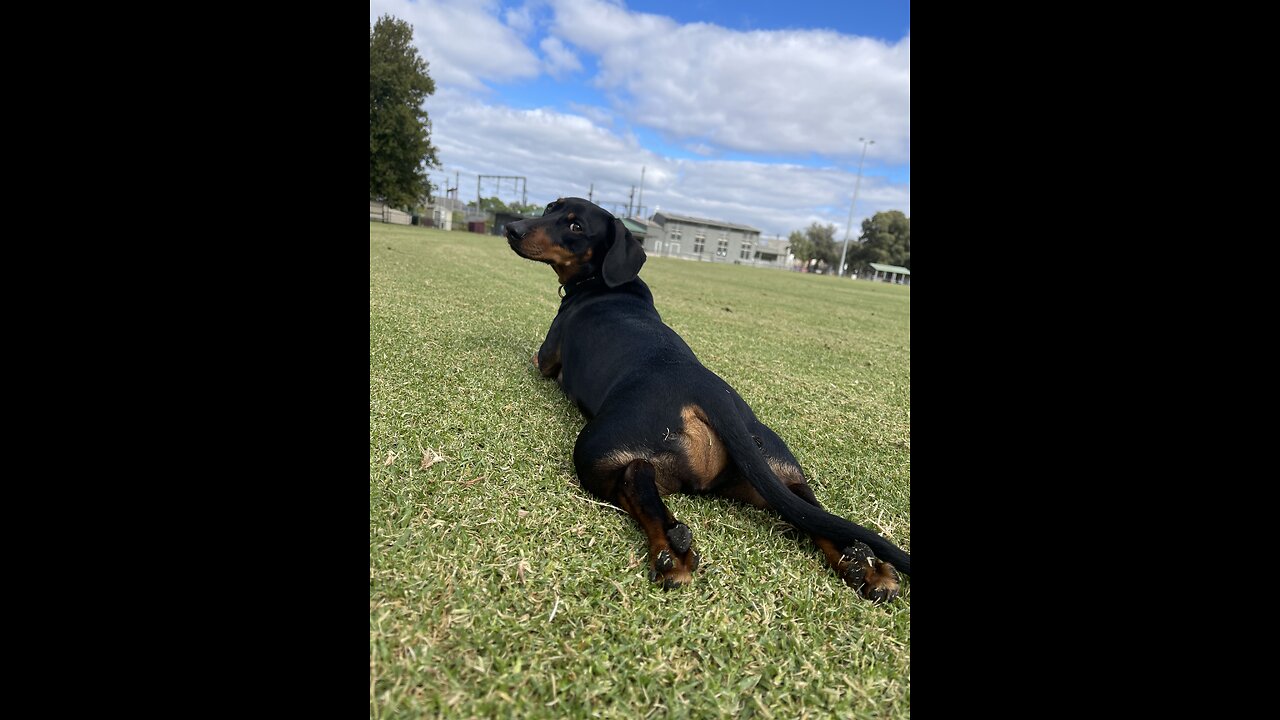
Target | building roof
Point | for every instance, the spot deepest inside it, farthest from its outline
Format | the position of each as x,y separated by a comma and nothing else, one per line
704,221
890,268
636,226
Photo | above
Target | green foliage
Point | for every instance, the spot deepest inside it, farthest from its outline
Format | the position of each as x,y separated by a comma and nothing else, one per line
526,208
885,238
495,205
492,205
400,149
817,241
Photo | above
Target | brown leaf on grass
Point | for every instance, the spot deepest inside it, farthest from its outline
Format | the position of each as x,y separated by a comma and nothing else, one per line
427,462
391,457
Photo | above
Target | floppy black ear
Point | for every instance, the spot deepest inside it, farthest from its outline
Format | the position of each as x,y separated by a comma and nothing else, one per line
625,257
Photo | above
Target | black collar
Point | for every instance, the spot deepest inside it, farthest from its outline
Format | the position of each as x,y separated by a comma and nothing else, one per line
568,290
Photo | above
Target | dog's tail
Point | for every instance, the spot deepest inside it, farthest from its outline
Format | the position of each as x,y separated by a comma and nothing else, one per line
733,431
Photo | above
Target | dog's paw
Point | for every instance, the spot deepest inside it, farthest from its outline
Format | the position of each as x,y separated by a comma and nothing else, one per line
873,578
680,537
673,566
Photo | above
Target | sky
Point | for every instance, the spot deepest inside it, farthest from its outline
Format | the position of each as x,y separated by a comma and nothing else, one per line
754,112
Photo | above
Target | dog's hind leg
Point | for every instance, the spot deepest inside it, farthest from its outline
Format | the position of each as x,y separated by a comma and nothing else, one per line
855,563
631,482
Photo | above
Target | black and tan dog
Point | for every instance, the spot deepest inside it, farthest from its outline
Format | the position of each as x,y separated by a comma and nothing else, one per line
681,430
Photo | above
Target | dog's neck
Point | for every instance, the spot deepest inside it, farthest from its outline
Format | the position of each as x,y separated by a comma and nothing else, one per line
569,289
595,287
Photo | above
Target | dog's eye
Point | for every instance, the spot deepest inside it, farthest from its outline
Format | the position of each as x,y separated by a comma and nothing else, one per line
574,226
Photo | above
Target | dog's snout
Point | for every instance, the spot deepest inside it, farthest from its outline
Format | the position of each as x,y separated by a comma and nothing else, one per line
518,229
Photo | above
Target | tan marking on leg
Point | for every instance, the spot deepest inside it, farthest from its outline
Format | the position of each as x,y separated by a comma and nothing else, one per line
703,450
789,474
618,459
666,473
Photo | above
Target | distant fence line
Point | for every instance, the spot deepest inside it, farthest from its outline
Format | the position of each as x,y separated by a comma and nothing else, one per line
381,211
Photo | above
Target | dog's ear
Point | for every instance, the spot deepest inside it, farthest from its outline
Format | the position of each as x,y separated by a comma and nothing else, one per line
625,257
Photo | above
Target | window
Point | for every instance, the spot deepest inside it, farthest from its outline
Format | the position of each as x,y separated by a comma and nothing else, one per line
722,247
699,242
674,234
745,253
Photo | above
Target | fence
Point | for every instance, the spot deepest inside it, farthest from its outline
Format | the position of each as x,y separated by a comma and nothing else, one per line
380,211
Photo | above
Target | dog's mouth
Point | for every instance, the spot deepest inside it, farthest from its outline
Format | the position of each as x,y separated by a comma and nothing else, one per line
518,245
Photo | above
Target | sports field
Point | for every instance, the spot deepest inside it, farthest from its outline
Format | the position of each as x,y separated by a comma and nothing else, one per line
499,588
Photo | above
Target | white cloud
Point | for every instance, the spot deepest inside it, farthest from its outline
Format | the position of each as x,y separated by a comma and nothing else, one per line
560,59
462,40
521,19
705,88
786,91
563,154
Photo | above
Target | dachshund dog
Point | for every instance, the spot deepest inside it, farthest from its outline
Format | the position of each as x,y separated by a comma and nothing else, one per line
650,434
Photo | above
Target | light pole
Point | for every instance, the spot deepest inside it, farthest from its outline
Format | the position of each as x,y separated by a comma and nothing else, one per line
865,142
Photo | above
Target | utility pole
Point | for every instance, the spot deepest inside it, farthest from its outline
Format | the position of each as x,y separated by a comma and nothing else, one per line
856,185
590,191
631,197
640,202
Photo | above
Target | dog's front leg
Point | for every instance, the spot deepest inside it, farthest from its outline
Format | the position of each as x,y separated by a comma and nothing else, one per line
547,359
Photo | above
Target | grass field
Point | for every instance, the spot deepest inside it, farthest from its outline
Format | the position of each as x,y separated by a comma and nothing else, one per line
499,588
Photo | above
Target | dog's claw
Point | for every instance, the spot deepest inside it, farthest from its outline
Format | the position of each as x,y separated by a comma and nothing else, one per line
674,563
873,578
664,562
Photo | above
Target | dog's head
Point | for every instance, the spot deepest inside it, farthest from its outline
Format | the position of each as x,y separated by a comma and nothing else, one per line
579,240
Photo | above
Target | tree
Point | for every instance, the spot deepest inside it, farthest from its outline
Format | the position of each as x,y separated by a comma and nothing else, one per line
885,238
526,208
494,205
816,242
400,149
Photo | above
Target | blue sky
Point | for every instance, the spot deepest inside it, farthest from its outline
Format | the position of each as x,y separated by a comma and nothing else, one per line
746,111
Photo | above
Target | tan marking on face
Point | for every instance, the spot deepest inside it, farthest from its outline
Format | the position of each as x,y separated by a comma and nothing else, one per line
703,449
538,246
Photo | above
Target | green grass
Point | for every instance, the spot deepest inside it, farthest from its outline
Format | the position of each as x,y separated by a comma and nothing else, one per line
470,559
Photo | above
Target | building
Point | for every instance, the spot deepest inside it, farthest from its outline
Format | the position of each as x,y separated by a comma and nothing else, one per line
895,274
639,228
691,238
506,217
439,213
